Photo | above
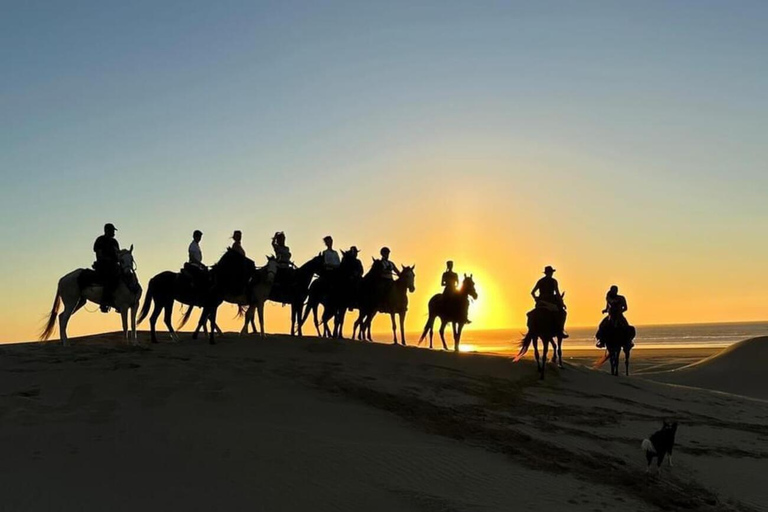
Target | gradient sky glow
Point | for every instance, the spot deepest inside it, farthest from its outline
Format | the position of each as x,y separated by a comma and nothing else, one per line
621,142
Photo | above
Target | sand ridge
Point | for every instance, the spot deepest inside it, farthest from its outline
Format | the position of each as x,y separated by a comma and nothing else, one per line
294,424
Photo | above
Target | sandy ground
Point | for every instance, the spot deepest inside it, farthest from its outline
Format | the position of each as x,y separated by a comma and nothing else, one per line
309,424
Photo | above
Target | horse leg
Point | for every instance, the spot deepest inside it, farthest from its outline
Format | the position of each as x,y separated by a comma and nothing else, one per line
153,321
201,324
402,327
560,352
626,362
544,358
394,327
167,316
442,333
536,352
64,316
458,334
134,335
124,322
260,309
212,319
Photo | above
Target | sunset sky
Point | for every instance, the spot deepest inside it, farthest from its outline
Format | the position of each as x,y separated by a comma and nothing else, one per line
621,142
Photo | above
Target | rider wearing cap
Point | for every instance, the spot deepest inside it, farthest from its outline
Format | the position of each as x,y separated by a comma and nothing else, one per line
549,295
106,266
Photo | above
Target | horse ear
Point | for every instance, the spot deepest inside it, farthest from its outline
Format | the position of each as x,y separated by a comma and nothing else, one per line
470,275
413,267
131,249
343,252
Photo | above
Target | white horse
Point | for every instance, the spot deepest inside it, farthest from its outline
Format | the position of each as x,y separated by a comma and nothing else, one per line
75,297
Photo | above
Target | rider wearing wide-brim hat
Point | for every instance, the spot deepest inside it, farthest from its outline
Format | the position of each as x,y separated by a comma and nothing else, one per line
549,296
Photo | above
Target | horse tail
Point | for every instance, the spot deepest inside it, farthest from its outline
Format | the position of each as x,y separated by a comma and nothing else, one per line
185,318
647,445
525,344
427,326
48,330
600,362
147,300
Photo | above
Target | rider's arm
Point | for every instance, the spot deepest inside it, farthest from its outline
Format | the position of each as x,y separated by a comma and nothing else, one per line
557,287
442,281
535,288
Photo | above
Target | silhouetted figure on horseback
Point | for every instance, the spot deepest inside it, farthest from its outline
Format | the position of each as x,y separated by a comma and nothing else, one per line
380,293
331,260
337,291
450,280
452,307
546,321
237,242
549,298
194,268
614,333
106,265
236,279
190,286
285,267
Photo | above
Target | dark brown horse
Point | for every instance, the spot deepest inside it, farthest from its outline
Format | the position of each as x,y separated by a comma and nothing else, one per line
377,296
616,338
450,308
292,287
544,324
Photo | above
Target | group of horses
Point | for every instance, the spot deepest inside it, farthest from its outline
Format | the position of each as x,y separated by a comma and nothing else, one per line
237,280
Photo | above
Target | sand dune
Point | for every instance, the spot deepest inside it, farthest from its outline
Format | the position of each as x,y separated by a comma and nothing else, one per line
739,369
309,424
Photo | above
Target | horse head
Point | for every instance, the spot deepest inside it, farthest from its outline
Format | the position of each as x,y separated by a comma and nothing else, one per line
271,267
408,276
126,261
468,286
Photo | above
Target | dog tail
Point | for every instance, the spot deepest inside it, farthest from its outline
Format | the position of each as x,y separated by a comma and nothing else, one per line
647,446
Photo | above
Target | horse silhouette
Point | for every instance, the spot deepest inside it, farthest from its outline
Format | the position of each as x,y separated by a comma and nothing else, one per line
163,290
236,279
546,325
378,296
616,338
292,287
450,308
336,291
82,285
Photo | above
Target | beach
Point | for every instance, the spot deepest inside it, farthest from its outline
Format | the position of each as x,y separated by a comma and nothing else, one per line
309,424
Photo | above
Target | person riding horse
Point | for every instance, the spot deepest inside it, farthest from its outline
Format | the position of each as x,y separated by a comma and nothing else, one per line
194,267
331,260
237,246
107,266
615,306
282,251
450,279
549,297
450,284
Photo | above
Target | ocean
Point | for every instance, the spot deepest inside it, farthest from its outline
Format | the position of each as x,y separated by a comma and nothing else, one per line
648,336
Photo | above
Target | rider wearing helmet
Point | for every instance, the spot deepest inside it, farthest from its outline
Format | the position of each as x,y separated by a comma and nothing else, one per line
387,267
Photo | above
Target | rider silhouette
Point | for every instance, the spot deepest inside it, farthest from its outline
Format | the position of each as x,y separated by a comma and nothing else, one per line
195,267
615,306
195,254
282,251
387,267
549,295
237,246
357,265
331,259
450,280
107,266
